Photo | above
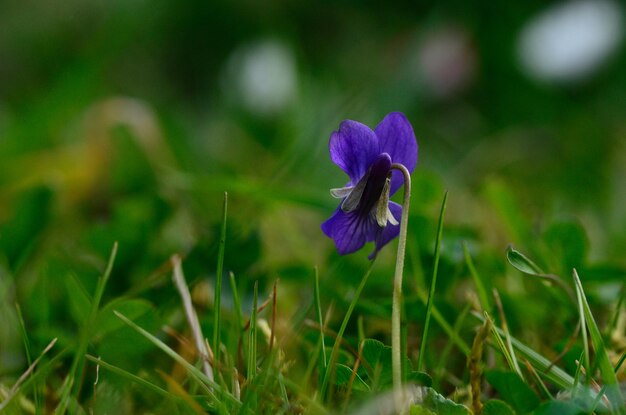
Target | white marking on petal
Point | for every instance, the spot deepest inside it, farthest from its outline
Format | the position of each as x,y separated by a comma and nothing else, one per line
390,217
351,202
341,192
382,205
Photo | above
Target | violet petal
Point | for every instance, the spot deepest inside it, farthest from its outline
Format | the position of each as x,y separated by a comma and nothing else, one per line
396,137
353,148
389,232
350,231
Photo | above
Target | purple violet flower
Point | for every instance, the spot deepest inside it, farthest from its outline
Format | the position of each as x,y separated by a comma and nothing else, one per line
366,214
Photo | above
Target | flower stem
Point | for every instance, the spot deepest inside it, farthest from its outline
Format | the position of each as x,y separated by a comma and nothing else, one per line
396,347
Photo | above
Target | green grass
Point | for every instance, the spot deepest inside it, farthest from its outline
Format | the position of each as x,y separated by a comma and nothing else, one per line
91,325
274,355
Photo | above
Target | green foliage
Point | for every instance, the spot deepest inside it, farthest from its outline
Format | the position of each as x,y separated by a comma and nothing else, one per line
513,390
434,403
497,407
558,408
123,121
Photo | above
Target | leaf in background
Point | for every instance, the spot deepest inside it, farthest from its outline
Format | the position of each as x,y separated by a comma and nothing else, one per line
522,263
513,390
603,362
497,407
376,358
420,410
421,378
343,374
436,403
557,407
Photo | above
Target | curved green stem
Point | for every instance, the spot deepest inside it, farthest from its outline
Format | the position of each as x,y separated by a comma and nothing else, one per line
396,346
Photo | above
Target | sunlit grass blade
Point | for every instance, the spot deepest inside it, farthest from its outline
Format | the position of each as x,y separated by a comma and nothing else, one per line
236,303
217,303
507,335
480,287
209,387
607,373
335,350
192,317
85,334
15,389
553,373
433,283
585,362
500,343
538,381
318,309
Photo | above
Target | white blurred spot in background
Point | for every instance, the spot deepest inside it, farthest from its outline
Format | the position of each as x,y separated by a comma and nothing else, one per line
445,62
569,41
261,77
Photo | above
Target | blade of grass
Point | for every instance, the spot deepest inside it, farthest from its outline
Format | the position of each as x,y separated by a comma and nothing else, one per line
546,368
252,336
273,326
134,378
318,307
507,335
579,370
217,302
85,334
607,374
500,343
619,362
342,329
29,359
236,303
537,379
192,317
480,287
433,283
618,308
585,361
14,390
208,386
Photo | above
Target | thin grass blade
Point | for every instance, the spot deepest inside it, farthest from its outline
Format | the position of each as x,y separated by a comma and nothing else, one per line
433,283
217,302
85,334
607,373
342,329
318,309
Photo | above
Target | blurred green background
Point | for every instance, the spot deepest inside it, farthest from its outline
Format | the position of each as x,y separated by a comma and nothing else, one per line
127,120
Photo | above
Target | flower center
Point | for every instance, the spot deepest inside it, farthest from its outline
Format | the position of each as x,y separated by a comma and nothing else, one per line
370,195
